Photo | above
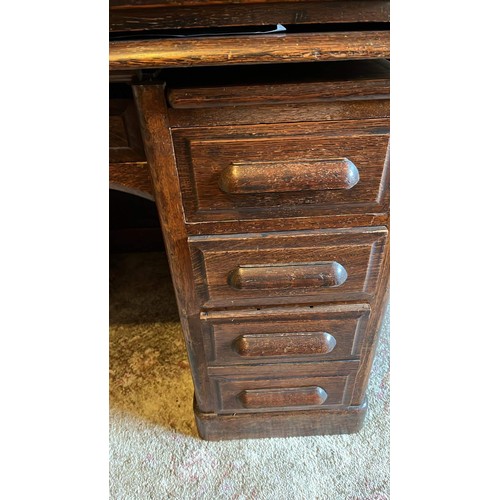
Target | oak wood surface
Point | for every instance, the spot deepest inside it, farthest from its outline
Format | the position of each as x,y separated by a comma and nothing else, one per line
215,258
133,178
298,223
280,113
281,177
287,276
369,346
295,47
284,334
125,143
134,15
336,378
284,344
280,298
313,421
249,95
287,397
152,112
204,154
253,85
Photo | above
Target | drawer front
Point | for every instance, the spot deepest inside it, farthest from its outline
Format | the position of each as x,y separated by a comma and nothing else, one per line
324,168
287,267
286,387
284,334
125,142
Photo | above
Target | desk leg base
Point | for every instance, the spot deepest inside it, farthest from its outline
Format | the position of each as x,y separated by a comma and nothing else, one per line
213,427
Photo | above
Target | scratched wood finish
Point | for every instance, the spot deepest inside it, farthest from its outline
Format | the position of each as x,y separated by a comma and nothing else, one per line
133,15
303,83
368,348
263,355
271,424
215,258
335,378
133,178
284,334
314,221
282,398
284,344
204,154
294,47
282,177
288,276
281,113
250,95
152,112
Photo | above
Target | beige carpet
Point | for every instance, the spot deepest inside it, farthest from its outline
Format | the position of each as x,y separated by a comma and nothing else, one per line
155,452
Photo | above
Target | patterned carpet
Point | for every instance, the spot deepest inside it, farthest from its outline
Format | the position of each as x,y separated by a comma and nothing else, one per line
155,451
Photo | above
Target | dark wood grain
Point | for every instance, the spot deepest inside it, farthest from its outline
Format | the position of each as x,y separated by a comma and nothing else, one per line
282,177
273,201
304,83
133,15
287,397
336,378
368,348
203,154
125,144
284,344
296,47
152,111
359,251
279,113
249,95
287,276
315,221
344,420
133,178
284,334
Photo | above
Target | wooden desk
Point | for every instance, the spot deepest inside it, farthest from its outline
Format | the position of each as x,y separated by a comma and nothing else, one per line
267,156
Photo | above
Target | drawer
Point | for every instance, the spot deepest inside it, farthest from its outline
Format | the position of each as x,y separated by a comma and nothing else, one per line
285,334
285,387
235,86
125,143
287,267
291,169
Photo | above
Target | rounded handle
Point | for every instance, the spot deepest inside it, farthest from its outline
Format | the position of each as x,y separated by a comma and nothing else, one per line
290,396
314,275
284,344
280,177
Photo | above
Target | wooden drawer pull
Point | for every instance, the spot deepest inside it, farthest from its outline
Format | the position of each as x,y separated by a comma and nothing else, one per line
293,396
284,344
322,275
278,177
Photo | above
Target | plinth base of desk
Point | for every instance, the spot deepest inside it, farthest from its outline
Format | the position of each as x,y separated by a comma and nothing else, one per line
346,420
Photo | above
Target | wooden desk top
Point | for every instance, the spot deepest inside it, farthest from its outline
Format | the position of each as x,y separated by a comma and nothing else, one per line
142,32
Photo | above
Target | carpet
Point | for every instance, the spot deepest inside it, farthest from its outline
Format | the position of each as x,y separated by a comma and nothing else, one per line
155,451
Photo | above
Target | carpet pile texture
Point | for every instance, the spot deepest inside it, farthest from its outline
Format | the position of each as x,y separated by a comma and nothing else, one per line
155,451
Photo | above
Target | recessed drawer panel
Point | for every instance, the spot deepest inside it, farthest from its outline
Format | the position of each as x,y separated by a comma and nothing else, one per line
322,168
287,267
285,387
125,142
284,334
